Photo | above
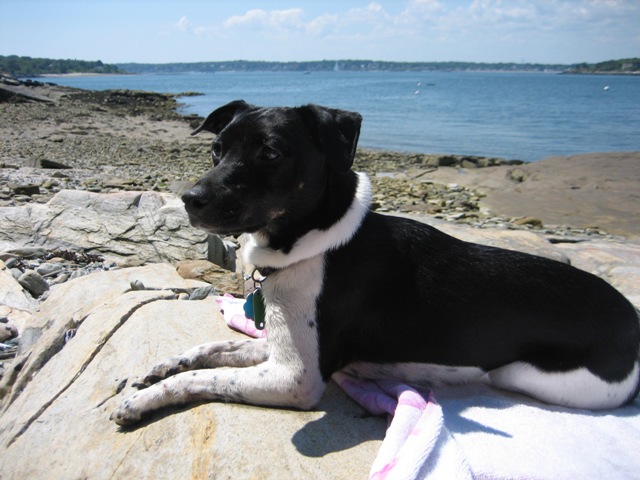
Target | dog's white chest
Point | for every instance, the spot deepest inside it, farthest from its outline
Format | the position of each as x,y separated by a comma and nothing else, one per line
290,296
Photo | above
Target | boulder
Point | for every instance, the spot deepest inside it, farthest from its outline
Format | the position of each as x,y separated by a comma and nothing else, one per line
533,221
15,304
222,252
45,163
12,294
59,395
28,189
223,280
517,175
137,226
7,330
34,283
117,182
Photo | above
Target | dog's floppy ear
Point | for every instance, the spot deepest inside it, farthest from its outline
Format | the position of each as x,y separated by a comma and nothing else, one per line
335,132
221,117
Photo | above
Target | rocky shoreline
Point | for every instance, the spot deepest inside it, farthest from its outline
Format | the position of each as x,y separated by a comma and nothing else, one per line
118,140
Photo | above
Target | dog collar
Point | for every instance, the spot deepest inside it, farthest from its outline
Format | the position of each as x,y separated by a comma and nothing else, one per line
264,271
254,306
315,242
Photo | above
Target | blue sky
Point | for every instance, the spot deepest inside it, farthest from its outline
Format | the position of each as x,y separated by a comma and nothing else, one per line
161,31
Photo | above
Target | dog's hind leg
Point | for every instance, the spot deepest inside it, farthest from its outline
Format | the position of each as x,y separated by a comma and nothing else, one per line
577,388
240,353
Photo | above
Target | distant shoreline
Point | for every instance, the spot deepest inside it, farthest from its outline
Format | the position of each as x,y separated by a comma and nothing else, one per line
78,74
25,67
547,72
603,74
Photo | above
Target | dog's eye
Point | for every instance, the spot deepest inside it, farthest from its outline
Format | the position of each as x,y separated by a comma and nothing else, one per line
270,154
216,151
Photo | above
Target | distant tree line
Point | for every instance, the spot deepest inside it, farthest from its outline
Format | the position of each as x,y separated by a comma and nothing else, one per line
32,67
328,65
625,65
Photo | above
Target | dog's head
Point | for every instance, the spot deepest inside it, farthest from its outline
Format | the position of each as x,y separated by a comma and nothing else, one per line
270,165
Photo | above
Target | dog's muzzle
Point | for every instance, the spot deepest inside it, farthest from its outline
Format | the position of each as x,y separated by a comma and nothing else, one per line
196,199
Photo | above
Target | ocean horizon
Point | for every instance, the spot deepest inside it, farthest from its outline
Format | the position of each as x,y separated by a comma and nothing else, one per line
523,116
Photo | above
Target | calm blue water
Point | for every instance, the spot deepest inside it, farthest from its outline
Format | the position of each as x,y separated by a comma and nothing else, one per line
514,116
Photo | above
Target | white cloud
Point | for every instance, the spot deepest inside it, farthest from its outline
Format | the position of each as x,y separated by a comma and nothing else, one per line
429,30
182,24
248,19
200,30
424,6
322,23
274,19
495,11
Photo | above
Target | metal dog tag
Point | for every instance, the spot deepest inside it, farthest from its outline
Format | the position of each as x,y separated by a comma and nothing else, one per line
259,309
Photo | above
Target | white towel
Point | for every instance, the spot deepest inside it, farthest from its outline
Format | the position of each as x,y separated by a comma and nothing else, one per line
417,445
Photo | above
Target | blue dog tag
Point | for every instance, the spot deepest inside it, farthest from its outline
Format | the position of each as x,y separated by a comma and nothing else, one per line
254,308
248,306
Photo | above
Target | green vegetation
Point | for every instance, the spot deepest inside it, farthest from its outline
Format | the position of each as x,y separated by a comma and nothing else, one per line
32,67
328,65
624,66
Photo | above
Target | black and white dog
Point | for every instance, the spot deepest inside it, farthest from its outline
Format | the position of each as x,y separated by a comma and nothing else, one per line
461,312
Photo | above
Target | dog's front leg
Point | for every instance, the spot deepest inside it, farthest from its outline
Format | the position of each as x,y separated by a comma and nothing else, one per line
239,353
268,384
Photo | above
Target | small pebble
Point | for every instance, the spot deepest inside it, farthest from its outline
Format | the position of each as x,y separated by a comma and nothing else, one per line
11,262
60,279
202,293
48,269
33,282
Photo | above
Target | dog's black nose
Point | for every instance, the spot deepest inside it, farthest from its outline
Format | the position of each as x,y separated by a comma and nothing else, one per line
196,199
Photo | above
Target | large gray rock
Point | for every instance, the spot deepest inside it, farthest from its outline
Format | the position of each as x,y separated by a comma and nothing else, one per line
145,226
55,410
15,304
12,295
34,283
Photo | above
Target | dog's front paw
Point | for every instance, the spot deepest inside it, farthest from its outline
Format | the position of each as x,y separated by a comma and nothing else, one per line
126,414
161,371
145,381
